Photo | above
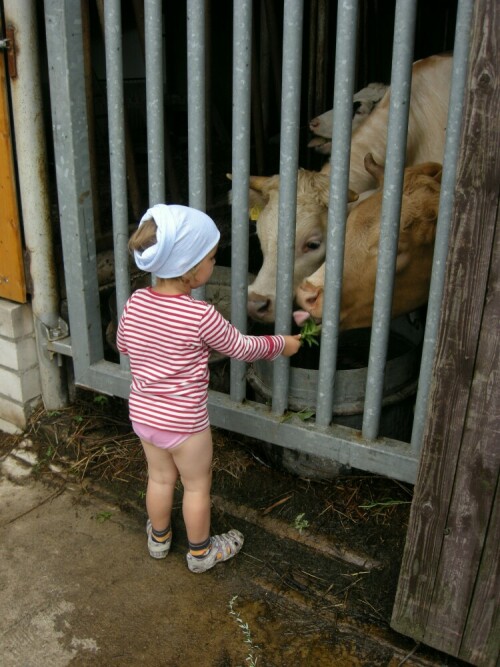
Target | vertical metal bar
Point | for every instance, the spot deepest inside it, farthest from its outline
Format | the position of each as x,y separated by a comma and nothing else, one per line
242,59
197,153
196,103
452,146
153,29
63,26
345,61
289,159
404,32
116,125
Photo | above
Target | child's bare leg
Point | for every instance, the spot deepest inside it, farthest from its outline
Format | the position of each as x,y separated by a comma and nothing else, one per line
162,477
193,459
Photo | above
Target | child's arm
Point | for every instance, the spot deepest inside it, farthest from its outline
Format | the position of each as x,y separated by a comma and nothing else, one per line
221,335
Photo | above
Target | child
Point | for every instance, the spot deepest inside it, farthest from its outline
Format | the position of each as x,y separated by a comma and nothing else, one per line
168,335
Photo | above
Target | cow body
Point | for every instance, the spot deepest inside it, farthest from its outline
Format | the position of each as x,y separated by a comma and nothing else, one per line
426,137
428,115
419,211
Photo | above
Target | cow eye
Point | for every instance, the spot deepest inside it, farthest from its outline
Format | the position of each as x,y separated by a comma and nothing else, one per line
312,245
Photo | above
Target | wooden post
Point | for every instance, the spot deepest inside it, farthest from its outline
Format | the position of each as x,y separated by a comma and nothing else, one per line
449,587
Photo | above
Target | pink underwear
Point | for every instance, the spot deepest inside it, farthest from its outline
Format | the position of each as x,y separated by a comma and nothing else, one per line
159,437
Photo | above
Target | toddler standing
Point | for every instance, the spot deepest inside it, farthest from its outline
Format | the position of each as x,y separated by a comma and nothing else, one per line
168,336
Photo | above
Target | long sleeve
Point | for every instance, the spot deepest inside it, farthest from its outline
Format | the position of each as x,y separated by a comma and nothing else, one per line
221,335
120,337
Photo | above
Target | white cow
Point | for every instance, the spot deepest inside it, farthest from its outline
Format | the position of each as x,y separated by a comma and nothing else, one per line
364,101
426,136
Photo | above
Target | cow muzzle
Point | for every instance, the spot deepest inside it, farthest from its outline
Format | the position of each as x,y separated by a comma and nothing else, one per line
310,298
260,308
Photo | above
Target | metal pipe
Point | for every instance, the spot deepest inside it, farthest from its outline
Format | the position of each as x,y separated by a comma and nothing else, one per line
289,160
404,34
197,154
242,65
116,125
63,29
196,103
450,161
153,29
345,62
34,193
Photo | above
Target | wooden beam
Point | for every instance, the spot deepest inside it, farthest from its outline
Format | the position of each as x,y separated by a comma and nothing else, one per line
12,279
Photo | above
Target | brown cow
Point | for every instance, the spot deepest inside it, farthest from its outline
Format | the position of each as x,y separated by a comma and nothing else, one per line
421,189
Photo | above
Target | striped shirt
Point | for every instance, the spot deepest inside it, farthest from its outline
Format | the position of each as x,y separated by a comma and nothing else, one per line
168,340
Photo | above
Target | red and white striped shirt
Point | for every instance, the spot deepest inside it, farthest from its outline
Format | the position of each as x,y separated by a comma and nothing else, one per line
168,340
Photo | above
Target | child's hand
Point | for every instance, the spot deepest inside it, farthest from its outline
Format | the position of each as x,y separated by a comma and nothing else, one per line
292,345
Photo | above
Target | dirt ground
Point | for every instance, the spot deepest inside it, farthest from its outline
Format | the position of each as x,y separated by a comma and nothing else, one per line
314,584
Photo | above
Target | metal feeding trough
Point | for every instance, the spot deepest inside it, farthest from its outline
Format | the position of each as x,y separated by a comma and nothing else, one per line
401,378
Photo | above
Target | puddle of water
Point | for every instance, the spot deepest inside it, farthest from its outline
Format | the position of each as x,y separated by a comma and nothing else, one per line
272,638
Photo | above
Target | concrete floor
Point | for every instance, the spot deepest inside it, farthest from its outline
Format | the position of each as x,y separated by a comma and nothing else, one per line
79,588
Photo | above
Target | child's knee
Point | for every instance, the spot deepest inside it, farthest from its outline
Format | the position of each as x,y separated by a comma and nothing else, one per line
198,484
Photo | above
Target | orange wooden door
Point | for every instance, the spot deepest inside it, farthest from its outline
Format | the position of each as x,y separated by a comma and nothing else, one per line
12,279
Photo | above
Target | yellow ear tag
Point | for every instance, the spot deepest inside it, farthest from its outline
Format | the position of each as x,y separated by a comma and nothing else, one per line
254,213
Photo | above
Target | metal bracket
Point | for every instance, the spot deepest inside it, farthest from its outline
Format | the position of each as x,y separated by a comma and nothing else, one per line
61,330
8,44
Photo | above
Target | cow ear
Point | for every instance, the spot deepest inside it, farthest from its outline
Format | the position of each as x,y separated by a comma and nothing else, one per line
258,193
256,202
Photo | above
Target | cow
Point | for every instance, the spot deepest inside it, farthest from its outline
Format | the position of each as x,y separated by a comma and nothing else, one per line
426,137
364,101
419,210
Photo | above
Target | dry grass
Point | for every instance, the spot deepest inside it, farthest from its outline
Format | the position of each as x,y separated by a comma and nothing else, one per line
93,439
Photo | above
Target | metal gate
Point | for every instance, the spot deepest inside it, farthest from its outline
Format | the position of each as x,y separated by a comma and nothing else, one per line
360,449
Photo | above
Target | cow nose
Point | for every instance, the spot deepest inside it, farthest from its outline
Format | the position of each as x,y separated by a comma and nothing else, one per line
258,306
311,297
307,296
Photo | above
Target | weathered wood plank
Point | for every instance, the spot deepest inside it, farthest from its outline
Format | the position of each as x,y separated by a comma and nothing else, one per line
464,560
484,615
450,511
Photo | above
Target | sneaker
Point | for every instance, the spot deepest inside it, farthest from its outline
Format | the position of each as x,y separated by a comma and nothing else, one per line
223,547
157,549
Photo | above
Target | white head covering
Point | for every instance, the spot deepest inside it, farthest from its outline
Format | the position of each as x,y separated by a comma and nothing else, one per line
183,238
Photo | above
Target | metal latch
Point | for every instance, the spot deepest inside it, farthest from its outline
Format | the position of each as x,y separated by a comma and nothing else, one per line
8,43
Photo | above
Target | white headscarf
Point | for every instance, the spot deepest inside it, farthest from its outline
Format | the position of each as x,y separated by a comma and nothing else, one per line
183,238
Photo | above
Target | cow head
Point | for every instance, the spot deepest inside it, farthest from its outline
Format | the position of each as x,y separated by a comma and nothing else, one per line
419,210
311,219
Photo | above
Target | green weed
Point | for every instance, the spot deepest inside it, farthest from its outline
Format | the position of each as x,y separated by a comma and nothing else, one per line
300,523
